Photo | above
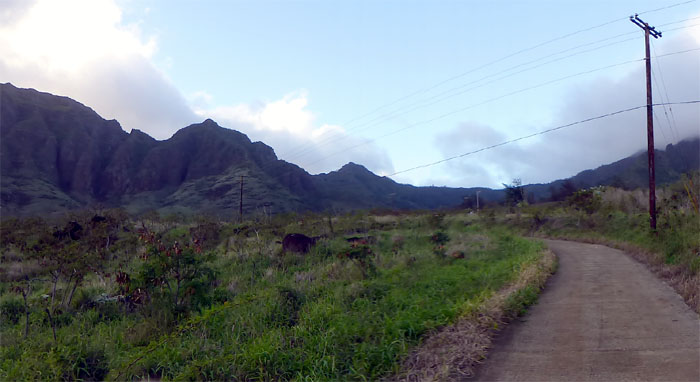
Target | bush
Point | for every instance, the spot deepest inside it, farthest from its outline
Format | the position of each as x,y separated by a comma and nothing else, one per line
362,255
175,275
440,238
588,201
79,360
85,298
11,309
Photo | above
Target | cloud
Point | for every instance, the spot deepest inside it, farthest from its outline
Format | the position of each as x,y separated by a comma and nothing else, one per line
81,49
566,152
291,129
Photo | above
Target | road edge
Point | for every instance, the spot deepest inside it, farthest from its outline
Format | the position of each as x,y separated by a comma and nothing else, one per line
453,352
686,285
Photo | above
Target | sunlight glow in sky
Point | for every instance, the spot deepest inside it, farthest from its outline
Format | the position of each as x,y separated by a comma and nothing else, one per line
390,84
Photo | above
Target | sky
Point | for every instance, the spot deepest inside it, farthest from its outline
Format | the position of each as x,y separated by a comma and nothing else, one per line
391,85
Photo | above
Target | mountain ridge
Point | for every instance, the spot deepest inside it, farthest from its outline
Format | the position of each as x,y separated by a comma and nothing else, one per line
58,154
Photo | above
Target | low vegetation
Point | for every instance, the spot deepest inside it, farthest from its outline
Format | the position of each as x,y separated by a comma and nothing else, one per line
384,295
102,296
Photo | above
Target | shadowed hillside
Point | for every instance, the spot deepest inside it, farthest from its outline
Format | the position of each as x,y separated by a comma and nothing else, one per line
58,155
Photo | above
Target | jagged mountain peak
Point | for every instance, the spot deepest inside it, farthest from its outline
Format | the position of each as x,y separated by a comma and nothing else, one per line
354,168
57,154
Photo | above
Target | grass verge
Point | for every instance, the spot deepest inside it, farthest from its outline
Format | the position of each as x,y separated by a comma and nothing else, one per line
686,284
454,351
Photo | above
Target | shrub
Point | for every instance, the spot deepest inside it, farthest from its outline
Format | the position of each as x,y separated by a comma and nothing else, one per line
362,255
177,275
436,221
440,238
79,360
11,309
85,298
588,201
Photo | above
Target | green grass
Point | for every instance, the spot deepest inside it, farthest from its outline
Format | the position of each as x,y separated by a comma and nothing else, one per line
291,317
675,242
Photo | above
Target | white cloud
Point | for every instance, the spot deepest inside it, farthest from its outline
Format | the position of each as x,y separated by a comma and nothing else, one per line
291,129
82,49
566,152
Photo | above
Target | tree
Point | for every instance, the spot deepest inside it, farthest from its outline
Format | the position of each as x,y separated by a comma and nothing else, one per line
566,189
588,201
514,193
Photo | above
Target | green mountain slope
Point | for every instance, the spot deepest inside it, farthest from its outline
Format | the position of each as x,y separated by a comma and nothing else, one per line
57,154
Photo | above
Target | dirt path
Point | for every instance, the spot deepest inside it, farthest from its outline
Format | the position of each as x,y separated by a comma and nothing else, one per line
602,317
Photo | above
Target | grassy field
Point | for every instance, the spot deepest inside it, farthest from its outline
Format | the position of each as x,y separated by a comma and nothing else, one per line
211,300
99,295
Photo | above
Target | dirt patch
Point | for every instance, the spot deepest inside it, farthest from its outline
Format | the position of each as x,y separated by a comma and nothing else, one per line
452,352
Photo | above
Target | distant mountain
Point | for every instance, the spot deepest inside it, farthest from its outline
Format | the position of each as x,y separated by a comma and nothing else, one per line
632,172
57,155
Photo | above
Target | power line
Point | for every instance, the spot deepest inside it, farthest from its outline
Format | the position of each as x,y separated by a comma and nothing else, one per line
413,125
503,58
306,149
671,126
462,89
421,104
447,94
540,133
667,7
444,115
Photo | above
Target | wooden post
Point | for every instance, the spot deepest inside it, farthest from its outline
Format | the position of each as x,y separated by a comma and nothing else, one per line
240,205
650,118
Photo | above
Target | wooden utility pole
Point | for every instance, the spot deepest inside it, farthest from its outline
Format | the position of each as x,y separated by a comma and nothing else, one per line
477,201
240,205
650,118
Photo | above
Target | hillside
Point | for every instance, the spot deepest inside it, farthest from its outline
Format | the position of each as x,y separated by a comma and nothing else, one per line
632,172
58,154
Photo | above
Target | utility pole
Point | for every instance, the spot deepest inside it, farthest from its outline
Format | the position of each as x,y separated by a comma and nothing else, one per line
240,205
477,201
650,118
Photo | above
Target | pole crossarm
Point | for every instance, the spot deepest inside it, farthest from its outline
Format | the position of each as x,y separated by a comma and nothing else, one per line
640,23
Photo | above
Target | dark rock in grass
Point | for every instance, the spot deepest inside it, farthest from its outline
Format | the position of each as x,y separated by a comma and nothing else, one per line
297,242
457,255
360,240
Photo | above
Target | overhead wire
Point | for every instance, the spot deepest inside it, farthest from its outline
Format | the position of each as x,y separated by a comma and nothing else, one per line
307,148
413,125
507,56
667,7
663,88
461,109
462,89
427,89
498,60
536,134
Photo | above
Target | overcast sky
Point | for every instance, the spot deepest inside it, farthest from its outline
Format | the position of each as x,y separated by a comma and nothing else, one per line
388,84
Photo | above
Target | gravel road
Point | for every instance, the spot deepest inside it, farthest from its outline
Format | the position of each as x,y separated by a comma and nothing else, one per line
602,317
